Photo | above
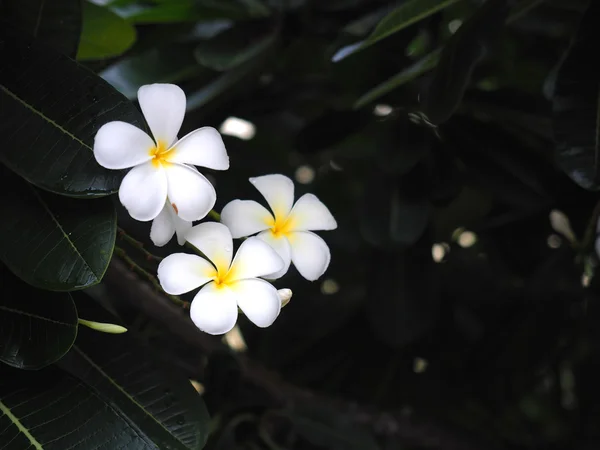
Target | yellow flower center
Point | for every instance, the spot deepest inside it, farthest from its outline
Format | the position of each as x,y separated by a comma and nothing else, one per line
159,154
224,278
281,225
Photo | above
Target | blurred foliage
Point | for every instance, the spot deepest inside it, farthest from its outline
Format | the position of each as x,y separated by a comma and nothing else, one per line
441,135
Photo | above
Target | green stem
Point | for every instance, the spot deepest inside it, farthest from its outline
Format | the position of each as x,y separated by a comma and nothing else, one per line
214,215
589,237
148,276
138,245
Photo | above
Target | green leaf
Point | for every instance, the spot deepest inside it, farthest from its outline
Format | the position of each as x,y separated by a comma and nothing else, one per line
177,11
168,64
54,242
104,34
52,108
405,302
459,57
235,46
115,398
576,106
57,22
425,64
430,61
402,17
164,404
395,209
37,327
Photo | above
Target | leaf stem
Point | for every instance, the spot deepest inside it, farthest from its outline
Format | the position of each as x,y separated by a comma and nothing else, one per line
148,276
138,245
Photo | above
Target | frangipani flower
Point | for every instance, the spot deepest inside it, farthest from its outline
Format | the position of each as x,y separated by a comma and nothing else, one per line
287,229
226,285
163,166
166,224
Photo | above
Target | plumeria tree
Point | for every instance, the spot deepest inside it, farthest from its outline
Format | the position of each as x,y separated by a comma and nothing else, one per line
299,224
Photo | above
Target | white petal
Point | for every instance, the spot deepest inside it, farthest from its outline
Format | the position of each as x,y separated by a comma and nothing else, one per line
282,246
120,145
258,299
214,309
310,254
163,228
215,241
143,191
245,217
203,147
163,106
192,195
309,213
254,259
179,273
182,227
278,190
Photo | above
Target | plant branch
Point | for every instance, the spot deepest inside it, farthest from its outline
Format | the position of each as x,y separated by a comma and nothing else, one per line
392,425
148,276
138,245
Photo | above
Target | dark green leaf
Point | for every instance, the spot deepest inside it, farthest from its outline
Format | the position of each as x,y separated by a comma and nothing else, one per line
140,409
57,22
405,302
174,11
103,34
54,242
330,128
408,13
425,64
51,110
395,210
36,327
164,405
224,84
576,105
168,64
235,46
459,57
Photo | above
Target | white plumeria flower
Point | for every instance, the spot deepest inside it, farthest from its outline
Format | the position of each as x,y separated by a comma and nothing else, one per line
166,224
226,285
164,166
287,229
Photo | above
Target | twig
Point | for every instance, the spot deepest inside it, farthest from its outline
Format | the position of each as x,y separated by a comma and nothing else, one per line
138,245
412,430
148,277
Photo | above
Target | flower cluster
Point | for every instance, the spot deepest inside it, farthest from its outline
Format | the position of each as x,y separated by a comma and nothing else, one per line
165,187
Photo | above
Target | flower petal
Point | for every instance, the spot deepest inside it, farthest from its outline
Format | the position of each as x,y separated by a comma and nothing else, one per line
215,241
245,217
258,299
309,213
255,258
282,246
163,228
143,191
182,227
214,309
120,145
163,106
278,190
310,254
179,273
203,147
192,195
